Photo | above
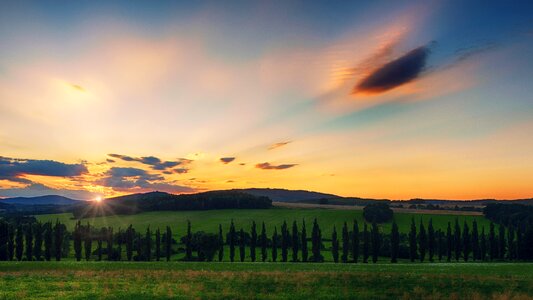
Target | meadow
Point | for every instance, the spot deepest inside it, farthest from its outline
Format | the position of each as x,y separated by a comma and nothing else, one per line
181,280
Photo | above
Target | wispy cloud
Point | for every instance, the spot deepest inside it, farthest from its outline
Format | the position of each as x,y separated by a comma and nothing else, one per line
278,145
154,162
227,160
268,166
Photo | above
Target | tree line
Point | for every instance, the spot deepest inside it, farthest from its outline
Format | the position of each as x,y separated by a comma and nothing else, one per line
33,241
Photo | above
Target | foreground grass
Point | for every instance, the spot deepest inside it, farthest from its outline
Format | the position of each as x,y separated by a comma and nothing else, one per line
108,280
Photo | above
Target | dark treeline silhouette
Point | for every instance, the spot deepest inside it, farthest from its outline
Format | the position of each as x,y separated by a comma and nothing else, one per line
157,201
515,215
30,240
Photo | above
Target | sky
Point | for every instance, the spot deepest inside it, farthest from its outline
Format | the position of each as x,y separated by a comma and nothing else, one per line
380,99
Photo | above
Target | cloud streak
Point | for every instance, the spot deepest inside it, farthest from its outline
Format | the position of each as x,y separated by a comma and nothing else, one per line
154,162
227,160
278,145
268,166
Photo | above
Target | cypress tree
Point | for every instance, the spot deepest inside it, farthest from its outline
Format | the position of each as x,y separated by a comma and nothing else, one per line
440,243
231,241
88,242
129,242
58,239
188,240
422,241
449,242
466,242
316,242
519,242
335,245
263,243
365,243
510,244
76,235
19,241
11,242
4,233
109,237
355,241
431,240
168,243
120,240
275,245
284,241
38,245
221,242
412,241
139,247
242,244
148,245
483,245
375,242
457,240
157,245
395,242
305,253
99,243
493,253
345,243
253,241
475,242
29,242
501,242
295,241
48,241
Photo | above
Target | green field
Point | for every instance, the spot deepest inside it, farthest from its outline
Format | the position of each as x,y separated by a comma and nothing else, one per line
121,280
209,220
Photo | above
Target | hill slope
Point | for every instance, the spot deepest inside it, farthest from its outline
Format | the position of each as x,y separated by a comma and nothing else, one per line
40,200
283,195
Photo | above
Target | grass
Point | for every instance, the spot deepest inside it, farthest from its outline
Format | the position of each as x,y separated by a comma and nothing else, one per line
208,221
108,280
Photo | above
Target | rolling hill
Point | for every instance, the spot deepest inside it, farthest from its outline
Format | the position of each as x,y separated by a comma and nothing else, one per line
40,200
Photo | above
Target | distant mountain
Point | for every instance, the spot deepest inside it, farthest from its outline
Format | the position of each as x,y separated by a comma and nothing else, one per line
283,195
41,200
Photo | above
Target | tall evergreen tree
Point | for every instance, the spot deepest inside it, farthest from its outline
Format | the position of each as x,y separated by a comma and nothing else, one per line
29,242
345,243
221,243
483,245
120,241
253,241
422,241
188,241
449,242
139,247
168,243
275,245
519,242
129,242
305,253
395,242
242,245
431,240
467,244
109,237
365,243
19,241
48,241
316,242
157,245
38,244
76,235
148,245
335,245
4,233
284,241
263,243
99,243
231,241
355,241
457,240
295,241
11,242
59,232
440,244
475,242
493,245
510,243
375,242
501,242
412,241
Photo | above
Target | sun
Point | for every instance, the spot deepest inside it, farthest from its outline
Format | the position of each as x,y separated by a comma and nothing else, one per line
98,199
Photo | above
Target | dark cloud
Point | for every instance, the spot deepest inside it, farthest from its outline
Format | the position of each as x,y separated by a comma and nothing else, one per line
13,169
277,145
227,160
395,73
181,170
110,160
154,162
136,180
268,166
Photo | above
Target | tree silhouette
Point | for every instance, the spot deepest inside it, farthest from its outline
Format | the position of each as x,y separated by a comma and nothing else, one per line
188,248
231,241
275,245
295,241
431,240
242,244
253,241
157,245
467,244
284,241
395,242
355,241
305,253
476,255
375,242
449,242
412,241
493,245
221,242
335,245
422,241
38,244
29,242
457,240
365,243
76,235
168,243
263,243
19,241
345,243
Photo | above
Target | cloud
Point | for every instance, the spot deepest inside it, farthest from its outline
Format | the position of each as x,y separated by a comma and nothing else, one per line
395,73
277,145
154,162
227,160
181,170
139,180
13,169
37,189
268,166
